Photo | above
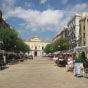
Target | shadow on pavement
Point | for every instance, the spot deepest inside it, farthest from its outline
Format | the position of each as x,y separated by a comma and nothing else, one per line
3,68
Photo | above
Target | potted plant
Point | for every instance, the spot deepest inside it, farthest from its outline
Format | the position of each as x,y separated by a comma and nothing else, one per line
81,57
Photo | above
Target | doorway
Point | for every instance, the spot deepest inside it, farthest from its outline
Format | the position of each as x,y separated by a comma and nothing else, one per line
35,53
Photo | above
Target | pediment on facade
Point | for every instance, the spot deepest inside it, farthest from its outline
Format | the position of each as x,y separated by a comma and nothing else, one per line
36,39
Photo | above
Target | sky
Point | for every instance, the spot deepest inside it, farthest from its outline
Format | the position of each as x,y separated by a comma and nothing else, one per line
42,18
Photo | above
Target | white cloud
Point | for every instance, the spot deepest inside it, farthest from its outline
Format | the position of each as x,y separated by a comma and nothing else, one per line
79,8
76,9
48,20
36,20
43,1
8,4
64,1
28,4
71,10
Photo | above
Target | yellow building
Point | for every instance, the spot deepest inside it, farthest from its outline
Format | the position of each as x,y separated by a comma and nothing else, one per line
37,45
84,30
56,37
63,34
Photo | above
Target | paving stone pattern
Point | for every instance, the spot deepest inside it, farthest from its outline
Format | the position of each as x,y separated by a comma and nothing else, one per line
39,73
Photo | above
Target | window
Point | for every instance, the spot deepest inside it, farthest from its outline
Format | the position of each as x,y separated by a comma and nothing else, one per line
32,47
42,47
84,43
84,27
83,35
35,47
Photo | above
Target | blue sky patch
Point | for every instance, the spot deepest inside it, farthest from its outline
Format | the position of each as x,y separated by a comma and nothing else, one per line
42,17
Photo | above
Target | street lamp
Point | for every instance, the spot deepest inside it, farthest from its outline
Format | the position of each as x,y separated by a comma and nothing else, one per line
1,42
52,49
59,46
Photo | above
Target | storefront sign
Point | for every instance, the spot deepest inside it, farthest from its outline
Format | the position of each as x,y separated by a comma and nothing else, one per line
78,69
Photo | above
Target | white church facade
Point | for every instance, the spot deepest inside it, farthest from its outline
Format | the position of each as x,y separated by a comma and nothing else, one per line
37,45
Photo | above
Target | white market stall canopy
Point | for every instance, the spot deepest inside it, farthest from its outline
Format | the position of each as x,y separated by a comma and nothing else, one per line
64,52
81,48
58,52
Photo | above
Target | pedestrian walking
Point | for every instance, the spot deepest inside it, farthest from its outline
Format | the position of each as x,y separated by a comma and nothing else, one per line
55,59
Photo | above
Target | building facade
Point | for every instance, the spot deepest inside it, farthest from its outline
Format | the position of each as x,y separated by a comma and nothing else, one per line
37,45
84,30
62,34
56,37
3,23
73,30
77,32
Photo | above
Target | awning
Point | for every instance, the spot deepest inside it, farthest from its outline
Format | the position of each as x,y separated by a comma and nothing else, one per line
81,48
2,51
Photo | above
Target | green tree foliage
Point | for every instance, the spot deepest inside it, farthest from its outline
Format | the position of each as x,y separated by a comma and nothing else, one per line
81,57
59,45
8,36
48,48
63,43
21,46
11,41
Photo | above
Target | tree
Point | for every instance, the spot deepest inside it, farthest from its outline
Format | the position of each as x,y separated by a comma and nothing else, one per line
21,46
62,44
11,41
81,57
8,36
59,45
48,48
55,46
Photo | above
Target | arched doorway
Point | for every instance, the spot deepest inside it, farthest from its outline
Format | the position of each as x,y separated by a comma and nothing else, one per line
35,53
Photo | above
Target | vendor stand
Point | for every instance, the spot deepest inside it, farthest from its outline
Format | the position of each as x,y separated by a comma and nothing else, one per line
81,68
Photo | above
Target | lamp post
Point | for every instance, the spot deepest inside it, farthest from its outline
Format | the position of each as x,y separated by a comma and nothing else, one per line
59,46
51,49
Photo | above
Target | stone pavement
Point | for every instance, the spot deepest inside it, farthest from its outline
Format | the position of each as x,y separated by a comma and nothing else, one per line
39,73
